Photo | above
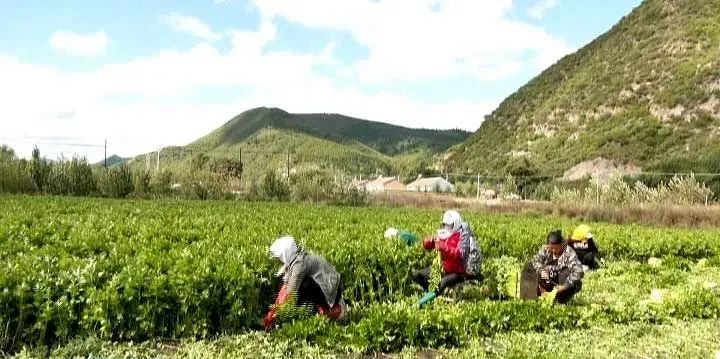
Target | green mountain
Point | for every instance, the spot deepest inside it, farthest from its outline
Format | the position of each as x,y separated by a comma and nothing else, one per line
267,138
382,137
646,94
112,161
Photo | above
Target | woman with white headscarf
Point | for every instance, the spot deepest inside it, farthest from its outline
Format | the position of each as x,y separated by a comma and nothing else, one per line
449,243
308,281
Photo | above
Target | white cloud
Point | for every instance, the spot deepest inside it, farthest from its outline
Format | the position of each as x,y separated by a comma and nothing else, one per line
41,96
79,44
147,102
190,25
538,10
427,40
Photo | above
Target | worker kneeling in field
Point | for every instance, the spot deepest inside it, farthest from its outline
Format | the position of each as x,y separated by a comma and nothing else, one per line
558,269
310,284
459,258
584,245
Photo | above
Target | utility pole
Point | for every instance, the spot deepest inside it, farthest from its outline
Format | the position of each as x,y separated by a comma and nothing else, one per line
105,161
477,196
288,164
157,168
597,187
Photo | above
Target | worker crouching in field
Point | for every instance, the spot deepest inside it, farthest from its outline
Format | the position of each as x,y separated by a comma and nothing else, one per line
584,245
459,256
309,284
558,269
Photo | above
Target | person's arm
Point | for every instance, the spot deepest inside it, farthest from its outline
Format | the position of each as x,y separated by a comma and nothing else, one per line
295,277
280,298
287,293
576,273
538,262
592,247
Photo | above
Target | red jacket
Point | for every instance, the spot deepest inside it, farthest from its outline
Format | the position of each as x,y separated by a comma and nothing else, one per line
450,253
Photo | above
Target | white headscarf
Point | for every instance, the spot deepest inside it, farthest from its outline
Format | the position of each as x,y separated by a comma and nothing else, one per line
453,219
284,248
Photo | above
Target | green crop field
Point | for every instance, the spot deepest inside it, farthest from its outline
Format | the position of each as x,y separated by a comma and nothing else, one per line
119,278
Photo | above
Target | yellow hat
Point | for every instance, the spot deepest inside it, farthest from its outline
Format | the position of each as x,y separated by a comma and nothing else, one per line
581,232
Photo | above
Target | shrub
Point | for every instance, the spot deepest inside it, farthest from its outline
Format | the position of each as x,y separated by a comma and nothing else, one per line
39,170
141,183
161,182
117,182
15,176
616,191
204,186
465,189
274,188
313,186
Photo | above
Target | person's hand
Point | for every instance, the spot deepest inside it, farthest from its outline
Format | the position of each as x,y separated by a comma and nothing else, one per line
544,274
429,243
269,320
440,245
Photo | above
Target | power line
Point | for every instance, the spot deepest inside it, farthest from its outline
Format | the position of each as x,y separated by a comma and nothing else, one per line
284,155
696,174
502,177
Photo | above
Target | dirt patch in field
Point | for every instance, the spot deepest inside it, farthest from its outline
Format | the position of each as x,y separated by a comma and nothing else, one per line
600,167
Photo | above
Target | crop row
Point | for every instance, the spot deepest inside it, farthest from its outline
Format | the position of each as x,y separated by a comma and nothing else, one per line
391,327
137,270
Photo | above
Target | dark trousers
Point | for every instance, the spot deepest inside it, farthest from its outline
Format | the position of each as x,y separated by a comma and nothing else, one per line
588,259
561,278
310,295
448,280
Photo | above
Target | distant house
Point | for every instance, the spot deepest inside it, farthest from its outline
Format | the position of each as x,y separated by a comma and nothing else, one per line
359,184
431,184
383,184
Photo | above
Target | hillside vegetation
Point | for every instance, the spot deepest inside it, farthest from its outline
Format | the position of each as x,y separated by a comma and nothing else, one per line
265,137
647,93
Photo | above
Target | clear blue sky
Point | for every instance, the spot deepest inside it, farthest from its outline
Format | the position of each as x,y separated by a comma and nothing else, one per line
145,74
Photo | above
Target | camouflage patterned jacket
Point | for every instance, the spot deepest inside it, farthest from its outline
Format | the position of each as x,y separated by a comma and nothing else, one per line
567,260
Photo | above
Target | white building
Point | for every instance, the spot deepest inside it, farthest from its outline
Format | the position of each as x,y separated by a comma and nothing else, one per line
431,184
383,184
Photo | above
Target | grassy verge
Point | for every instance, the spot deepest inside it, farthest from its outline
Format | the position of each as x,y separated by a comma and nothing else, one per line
685,216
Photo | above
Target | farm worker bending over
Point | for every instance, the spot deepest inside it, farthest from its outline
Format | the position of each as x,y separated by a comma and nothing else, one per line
309,281
459,253
585,248
558,268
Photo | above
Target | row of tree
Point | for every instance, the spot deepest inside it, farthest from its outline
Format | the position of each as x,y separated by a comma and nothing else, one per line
77,177
206,178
